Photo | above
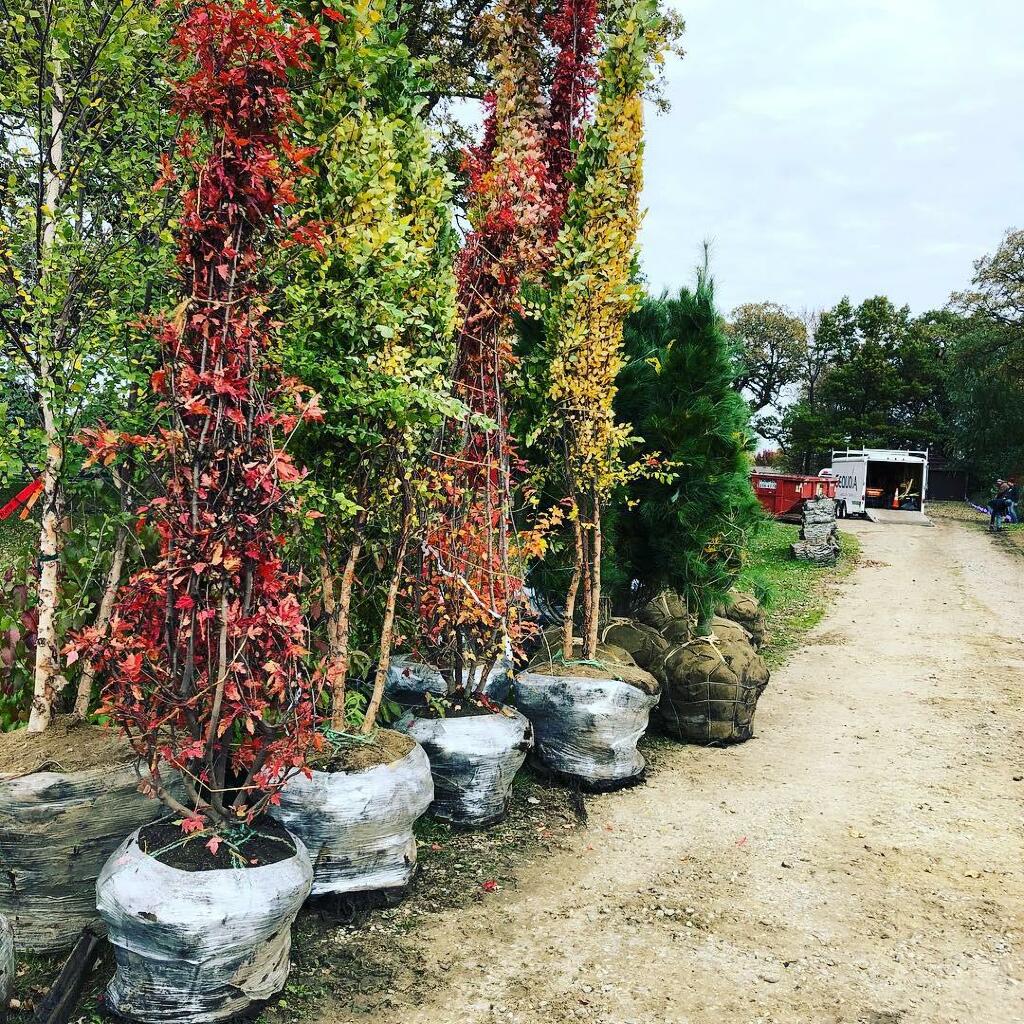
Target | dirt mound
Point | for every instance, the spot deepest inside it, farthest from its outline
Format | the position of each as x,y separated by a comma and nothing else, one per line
615,663
386,747
710,687
69,745
744,609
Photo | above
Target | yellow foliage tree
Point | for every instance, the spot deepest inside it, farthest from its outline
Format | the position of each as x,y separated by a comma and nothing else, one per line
593,288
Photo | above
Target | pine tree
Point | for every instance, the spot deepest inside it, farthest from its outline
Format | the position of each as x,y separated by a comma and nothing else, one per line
687,529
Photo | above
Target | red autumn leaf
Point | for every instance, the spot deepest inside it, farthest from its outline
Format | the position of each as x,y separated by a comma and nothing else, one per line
194,823
214,844
332,15
489,886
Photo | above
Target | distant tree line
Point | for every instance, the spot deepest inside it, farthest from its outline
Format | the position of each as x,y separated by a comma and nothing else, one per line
951,380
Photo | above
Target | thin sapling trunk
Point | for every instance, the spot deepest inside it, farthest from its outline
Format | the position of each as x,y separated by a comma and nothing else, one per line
48,681
387,632
110,587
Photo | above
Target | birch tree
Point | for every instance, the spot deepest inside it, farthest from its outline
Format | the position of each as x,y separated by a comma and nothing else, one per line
80,239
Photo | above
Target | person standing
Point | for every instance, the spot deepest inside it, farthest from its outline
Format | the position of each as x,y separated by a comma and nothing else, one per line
1013,497
998,505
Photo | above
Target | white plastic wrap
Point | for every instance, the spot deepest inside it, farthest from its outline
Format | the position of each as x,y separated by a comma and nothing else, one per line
587,729
357,826
56,831
473,761
197,946
6,962
409,680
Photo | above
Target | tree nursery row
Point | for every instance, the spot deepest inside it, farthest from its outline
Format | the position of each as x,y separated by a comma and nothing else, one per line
351,475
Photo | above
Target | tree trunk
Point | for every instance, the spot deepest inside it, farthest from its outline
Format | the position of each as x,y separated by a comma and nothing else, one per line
587,583
570,597
48,681
595,584
327,592
387,630
102,620
337,668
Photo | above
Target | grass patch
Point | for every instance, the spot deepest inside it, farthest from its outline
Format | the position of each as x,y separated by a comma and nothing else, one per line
795,595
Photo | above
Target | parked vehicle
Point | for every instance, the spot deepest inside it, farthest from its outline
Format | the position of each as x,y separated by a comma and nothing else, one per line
879,478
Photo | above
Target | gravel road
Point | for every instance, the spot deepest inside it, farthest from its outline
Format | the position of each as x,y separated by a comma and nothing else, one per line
861,861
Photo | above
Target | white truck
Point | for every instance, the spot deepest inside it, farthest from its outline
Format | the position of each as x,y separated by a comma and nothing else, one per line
884,478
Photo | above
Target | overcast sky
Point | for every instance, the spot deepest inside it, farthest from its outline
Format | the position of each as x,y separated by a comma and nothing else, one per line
832,147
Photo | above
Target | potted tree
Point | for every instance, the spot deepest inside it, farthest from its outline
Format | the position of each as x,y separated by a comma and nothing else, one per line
203,657
589,711
683,541
369,328
80,257
468,594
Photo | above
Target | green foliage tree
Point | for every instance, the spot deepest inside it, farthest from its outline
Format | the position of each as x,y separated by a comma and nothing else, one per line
687,528
770,343
82,247
986,379
370,319
873,376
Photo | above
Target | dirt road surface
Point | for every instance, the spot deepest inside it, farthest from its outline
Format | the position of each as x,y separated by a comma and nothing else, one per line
861,861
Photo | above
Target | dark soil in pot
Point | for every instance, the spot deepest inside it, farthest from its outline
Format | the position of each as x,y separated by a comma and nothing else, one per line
263,843
68,797
356,813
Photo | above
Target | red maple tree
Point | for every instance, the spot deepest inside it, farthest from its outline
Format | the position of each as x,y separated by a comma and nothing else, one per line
202,662
470,595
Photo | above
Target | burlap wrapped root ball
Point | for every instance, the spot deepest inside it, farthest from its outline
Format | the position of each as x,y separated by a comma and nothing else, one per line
644,644
710,687
667,614
746,610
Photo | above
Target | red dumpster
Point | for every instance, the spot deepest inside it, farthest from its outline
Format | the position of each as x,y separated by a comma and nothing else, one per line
782,494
